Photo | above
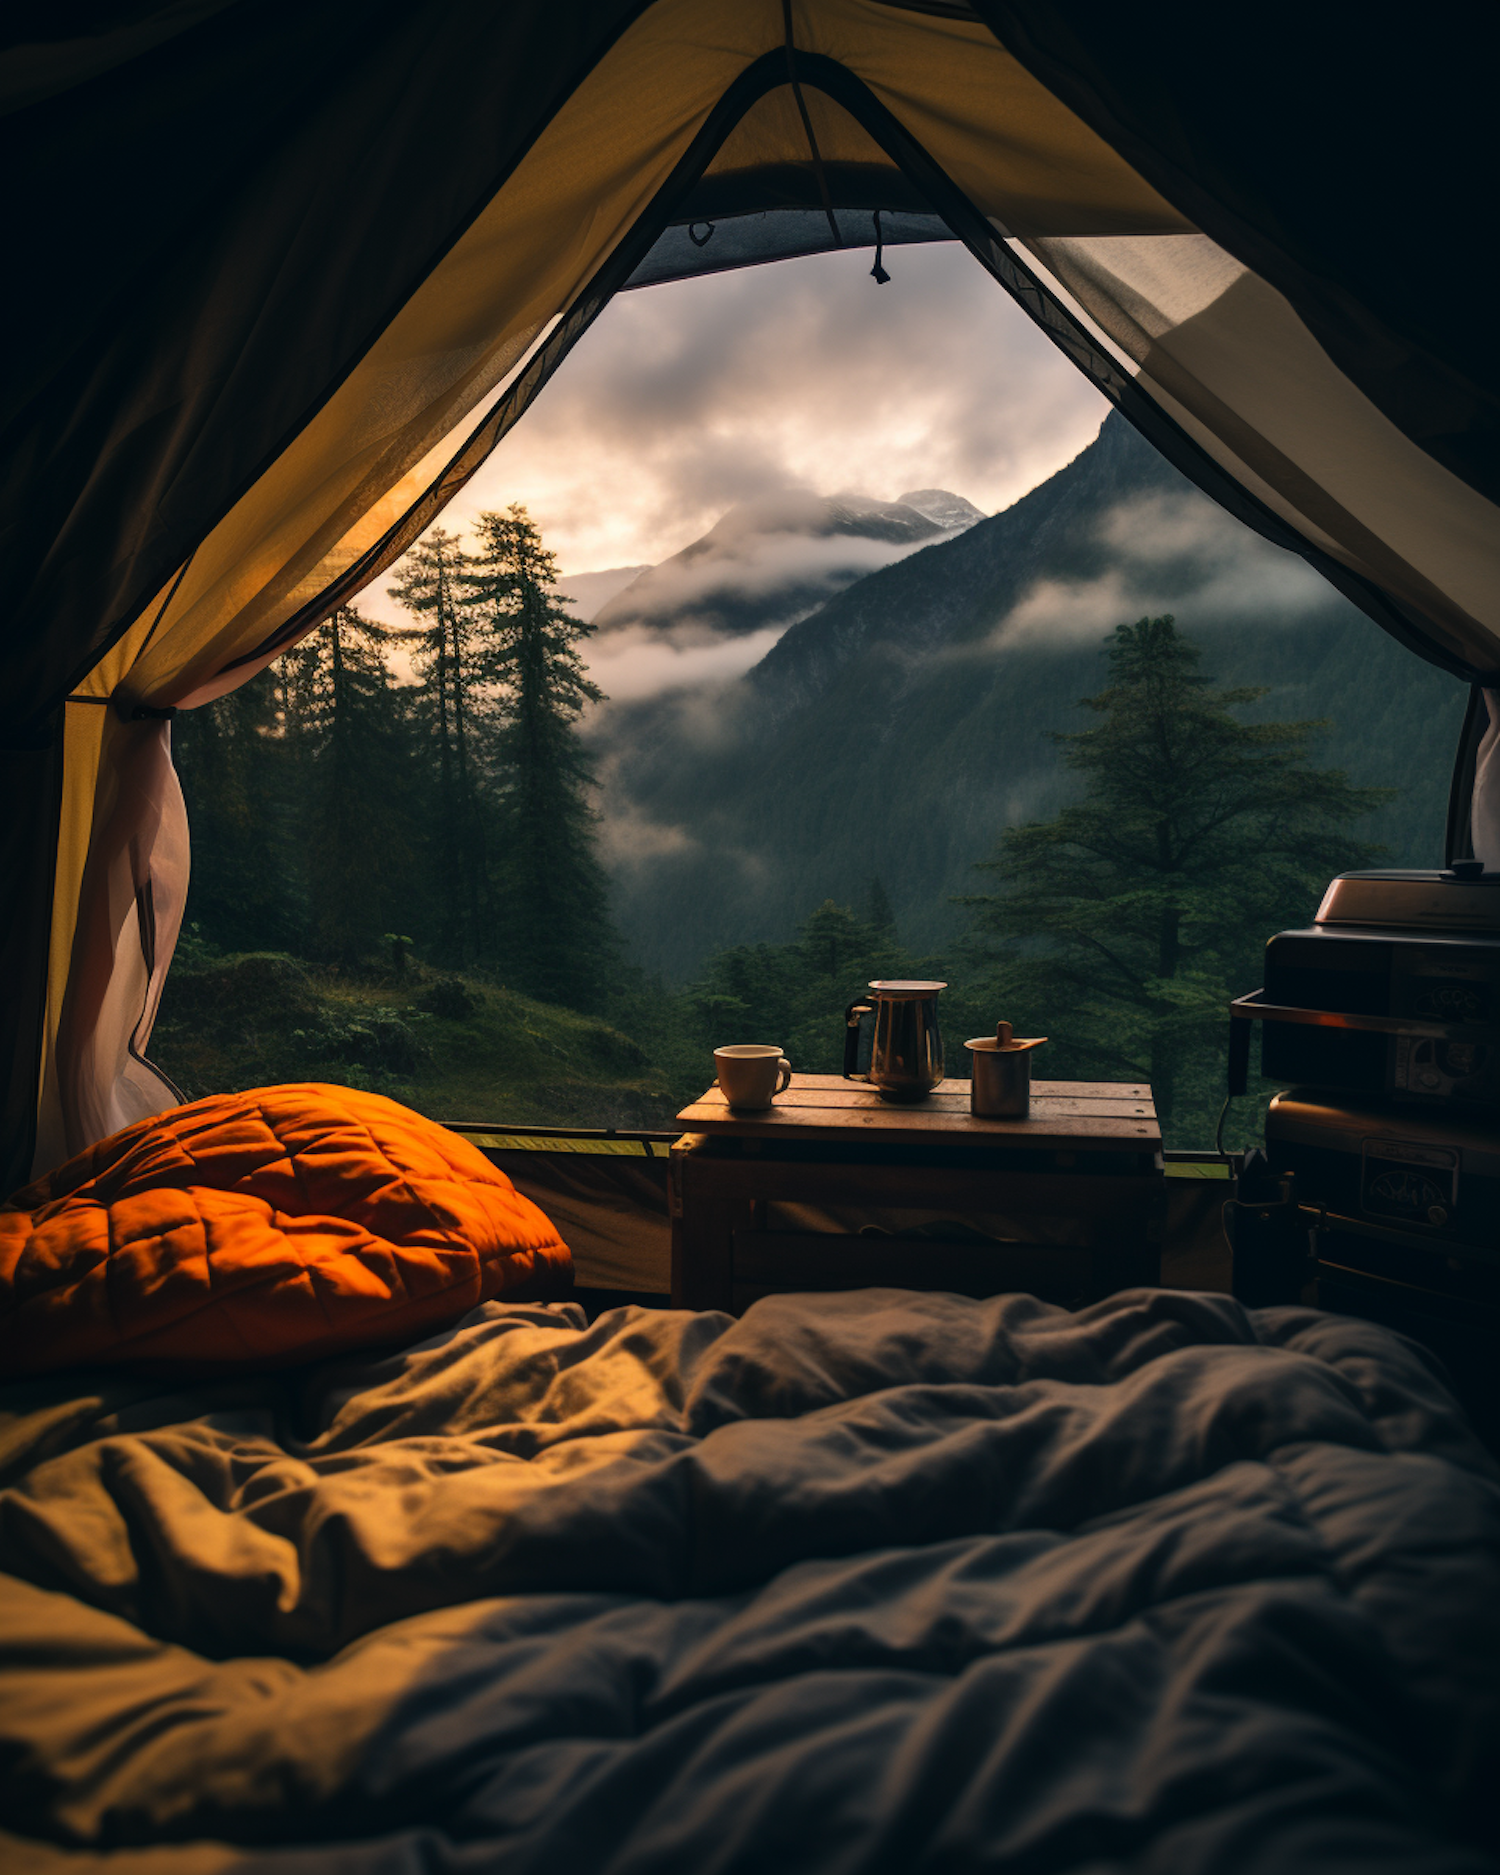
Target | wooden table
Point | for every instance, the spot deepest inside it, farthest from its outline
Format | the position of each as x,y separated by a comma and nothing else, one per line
1087,1165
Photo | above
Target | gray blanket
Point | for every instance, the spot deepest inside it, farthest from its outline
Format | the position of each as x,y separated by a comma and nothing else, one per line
881,1581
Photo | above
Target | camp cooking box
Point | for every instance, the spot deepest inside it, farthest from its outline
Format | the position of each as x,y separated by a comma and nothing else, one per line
1400,1219
1393,994
1433,1177
1385,1153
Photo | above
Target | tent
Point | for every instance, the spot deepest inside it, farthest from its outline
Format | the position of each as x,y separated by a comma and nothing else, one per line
284,273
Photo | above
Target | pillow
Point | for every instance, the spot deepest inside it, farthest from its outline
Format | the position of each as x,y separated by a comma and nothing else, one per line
260,1228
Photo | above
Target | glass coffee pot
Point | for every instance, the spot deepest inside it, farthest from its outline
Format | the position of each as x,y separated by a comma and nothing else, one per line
906,1061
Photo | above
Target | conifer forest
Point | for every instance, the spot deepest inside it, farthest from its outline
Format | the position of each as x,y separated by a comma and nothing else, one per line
397,883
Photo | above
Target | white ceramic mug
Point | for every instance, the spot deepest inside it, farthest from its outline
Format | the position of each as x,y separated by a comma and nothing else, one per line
752,1074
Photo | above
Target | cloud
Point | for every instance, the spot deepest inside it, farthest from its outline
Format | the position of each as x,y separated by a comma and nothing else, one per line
630,839
633,845
761,565
636,662
1176,553
1057,611
686,398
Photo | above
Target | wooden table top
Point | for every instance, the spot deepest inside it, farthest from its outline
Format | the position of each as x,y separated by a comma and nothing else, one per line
1077,1116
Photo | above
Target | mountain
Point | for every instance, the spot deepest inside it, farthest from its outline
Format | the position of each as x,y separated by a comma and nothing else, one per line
901,726
950,512
587,593
777,558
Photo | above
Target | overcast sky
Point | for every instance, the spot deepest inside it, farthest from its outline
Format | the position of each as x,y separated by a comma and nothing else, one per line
683,399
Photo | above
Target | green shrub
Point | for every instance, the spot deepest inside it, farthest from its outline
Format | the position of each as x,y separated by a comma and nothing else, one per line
451,998
380,1039
258,991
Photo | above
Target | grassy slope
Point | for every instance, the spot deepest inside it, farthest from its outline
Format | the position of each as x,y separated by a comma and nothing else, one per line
248,1021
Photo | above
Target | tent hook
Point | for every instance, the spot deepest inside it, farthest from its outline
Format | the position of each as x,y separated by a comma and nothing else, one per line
700,240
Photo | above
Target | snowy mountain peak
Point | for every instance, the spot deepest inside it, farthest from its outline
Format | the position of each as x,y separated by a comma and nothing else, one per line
777,557
940,505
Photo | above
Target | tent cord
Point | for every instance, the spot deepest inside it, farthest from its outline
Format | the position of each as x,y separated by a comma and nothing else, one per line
812,141
1219,1129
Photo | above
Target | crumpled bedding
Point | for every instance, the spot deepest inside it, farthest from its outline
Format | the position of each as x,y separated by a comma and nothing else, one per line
867,1582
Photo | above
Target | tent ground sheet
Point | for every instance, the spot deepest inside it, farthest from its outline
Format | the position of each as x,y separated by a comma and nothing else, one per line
875,1581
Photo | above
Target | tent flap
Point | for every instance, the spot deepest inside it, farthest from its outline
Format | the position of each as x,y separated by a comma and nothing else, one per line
1344,159
249,203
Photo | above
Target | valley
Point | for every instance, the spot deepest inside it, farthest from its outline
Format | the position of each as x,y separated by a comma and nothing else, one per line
894,729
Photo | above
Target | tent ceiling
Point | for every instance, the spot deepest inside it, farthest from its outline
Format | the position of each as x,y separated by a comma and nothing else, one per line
342,157
771,133
792,184
718,243
764,163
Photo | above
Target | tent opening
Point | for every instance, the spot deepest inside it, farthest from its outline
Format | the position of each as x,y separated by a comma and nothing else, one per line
762,134
846,556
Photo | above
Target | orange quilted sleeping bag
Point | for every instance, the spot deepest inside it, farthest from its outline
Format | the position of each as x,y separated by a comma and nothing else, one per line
254,1229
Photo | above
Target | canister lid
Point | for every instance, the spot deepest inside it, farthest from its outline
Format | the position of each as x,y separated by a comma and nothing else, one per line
1003,1042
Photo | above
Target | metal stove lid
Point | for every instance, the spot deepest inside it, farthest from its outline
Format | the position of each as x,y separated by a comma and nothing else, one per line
1305,1116
1464,898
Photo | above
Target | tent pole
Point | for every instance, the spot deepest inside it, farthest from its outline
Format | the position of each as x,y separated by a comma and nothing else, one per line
812,141
1459,843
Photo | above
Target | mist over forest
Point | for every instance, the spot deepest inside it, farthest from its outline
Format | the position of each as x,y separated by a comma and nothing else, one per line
901,726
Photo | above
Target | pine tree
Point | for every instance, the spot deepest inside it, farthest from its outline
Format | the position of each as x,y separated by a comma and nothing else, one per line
880,914
832,941
560,944
1123,927
240,793
453,656
346,723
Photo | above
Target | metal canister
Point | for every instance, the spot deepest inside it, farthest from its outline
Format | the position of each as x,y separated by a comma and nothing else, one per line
1000,1087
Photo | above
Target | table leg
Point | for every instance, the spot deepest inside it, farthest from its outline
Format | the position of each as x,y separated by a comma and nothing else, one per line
703,1224
1136,1263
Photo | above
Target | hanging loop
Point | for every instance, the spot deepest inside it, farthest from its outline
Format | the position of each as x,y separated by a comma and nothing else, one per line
878,273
